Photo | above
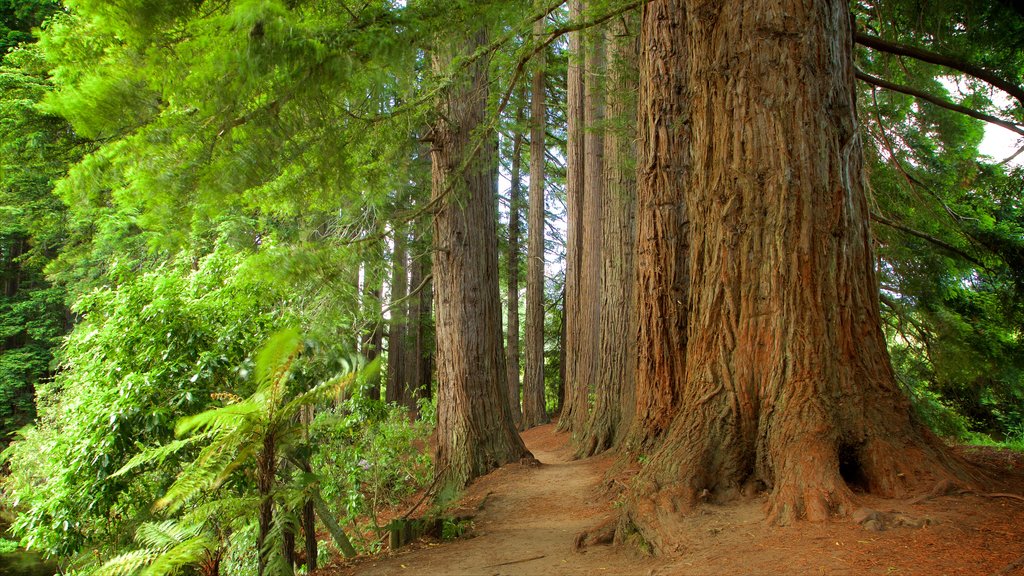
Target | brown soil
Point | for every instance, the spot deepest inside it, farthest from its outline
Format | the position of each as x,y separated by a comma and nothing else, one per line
526,520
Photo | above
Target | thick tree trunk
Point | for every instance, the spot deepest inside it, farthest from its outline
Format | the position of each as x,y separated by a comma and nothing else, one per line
475,432
397,343
514,209
574,406
771,371
534,412
614,382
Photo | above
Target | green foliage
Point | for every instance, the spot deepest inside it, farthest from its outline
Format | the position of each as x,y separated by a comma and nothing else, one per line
950,230
8,546
35,149
19,17
143,354
454,529
377,455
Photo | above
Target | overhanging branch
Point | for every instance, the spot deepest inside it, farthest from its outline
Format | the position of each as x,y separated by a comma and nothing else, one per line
928,238
875,81
1012,88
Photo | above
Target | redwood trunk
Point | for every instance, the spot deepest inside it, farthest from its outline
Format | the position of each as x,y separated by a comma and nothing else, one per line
514,208
614,394
396,390
574,405
475,432
373,337
751,172
534,412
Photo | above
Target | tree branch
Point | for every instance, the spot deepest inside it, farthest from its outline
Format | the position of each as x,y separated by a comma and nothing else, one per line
929,238
1012,88
875,81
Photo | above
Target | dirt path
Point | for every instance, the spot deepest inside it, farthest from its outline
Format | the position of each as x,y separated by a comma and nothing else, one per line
527,518
527,522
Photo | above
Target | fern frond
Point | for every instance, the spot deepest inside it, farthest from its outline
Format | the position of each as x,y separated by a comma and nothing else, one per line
128,563
225,417
159,453
190,552
161,535
274,358
191,481
330,389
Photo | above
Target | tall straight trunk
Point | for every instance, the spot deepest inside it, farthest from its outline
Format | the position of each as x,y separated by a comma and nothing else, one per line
309,534
412,331
396,390
773,363
266,468
425,336
418,336
574,405
614,394
560,396
514,209
534,412
589,361
475,432
373,335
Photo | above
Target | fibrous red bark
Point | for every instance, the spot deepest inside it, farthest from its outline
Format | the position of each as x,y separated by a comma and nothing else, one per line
475,433
762,356
615,376
534,412
574,404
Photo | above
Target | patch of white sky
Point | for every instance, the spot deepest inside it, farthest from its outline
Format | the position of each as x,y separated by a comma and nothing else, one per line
999,143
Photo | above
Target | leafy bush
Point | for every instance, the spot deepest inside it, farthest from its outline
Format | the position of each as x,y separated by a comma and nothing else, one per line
378,453
146,352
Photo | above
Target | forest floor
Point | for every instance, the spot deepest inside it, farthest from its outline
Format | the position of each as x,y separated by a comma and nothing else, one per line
526,519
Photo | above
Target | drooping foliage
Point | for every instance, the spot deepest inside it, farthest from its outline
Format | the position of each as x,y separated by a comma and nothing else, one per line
193,175
947,220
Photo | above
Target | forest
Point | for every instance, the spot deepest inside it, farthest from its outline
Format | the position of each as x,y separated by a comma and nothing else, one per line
288,283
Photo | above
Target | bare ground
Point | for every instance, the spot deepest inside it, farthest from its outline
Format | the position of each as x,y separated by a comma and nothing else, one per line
527,519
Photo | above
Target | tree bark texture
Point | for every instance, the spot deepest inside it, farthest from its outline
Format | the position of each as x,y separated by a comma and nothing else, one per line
475,432
534,412
419,332
397,341
588,360
615,377
771,371
574,406
514,209
373,336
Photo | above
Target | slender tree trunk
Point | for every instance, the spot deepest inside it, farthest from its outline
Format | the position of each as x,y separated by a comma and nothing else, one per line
266,468
373,337
615,380
750,167
309,534
308,512
574,406
475,432
514,209
397,344
560,396
534,412
418,367
425,336
288,547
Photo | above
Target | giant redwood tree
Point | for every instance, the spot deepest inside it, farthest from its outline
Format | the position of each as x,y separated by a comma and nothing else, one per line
475,431
758,304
